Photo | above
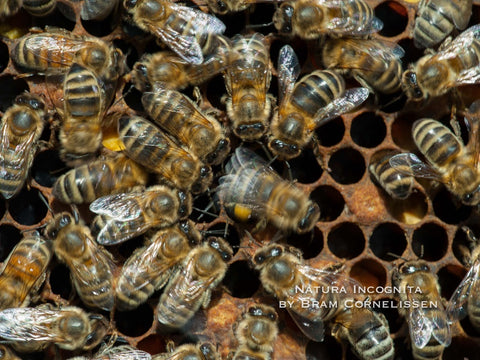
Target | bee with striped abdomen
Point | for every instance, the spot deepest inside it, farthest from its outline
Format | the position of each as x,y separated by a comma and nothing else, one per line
21,128
200,351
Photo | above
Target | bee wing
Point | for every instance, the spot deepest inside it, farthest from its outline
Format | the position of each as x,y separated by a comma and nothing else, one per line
420,327
202,23
28,324
57,45
244,158
409,164
461,44
456,308
123,206
469,76
314,330
350,99
132,354
117,231
330,277
288,72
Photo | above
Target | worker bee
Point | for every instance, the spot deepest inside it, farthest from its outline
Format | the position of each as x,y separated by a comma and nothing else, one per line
201,351
253,190
24,270
175,113
22,126
456,63
7,354
190,287
126,215
149,268
167,70
84,105
34,7
465,300
97,10
396,183
123,352
247,80
256,333
90,265
366,331
56,50
32,329
156,151
284,274
223,7
311,19
304,106
189,32
449,161
436,19
426,316
374,63
88,182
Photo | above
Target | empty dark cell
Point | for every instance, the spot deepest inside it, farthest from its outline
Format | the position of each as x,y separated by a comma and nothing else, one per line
331,133
388,238
449,209
468,348
9,237
368,130
235,22
391,314
311,243
127,248
133,97
34,356
449,277
412,53
469,329
2,208
204,209
215,91
4,57
100,27
347,166
60,281
305,167
390,103
15,87
430,242
402,350
154,344
394,17
27,208
262,15
402,133
47,167
128,50
369,272
57,18
330,201
346,241
136,322
329,349
241,280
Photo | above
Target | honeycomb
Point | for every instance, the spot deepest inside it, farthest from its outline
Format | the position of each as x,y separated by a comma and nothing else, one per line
359,224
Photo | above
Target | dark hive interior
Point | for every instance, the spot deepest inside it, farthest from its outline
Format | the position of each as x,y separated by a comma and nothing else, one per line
359,224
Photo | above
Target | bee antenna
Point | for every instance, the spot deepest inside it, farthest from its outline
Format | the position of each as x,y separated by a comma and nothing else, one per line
258,26
75,213
422,248
45,201
204,212
252,239
396,256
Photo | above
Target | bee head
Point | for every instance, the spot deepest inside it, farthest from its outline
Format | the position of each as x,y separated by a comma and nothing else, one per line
282,18
208,351
58,223
221,151
309,220
129,4
411,87
264,254
411,267
218,7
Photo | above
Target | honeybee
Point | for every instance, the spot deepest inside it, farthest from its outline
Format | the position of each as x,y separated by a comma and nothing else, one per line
88,182
256,333
449,161
156,151
396,183
23,272
304,106
34,7
22,126
223,7
203,351
252,190
456,63
366,331
436,19
284,274
175,113
9,8
126,215
247,80
465,301
188,32
124,352
166,69
32,329
7,354
97,10
374,63
427,322
190,287
149,268
310,19
90,265
83,109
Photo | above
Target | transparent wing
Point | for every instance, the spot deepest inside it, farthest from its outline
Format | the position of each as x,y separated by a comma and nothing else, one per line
409,164
469,76
350,99
288,72
358,23
122,207
245,158
330,277
29,324
420,327
457,306
460,45
117,231
314,330
127,355
201,22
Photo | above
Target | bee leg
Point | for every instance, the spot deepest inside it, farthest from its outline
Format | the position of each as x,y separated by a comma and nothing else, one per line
261,225
197,94
170,346
444,45
206,298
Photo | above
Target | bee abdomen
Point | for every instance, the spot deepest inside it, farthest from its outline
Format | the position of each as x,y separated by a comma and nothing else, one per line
39,7
397,184
436,142
434,24
474,311
98,293
82,92
173,311
375,344
316,90
432,351
131,292
389,79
